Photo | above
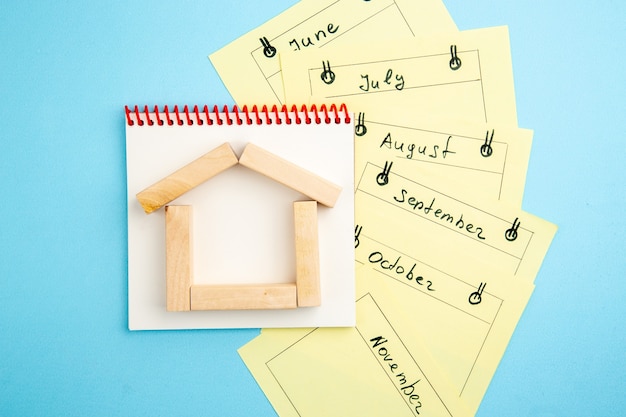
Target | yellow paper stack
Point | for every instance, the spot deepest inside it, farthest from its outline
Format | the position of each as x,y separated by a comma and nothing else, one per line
446,258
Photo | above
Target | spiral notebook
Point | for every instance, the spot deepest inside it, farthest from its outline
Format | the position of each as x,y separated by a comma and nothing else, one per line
243,222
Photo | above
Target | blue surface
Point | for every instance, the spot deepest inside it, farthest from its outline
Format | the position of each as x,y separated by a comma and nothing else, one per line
66,70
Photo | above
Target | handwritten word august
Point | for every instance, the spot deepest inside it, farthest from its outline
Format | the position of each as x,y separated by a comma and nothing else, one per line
409,390
398,268
410,148
390,78
416,205
320,35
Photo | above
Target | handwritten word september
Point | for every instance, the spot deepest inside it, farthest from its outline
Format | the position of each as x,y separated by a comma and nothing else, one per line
418,205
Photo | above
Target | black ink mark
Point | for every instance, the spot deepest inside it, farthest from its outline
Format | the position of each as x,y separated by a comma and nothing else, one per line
398,77
328,76
390,78
511,234
455,62
383,177
359,128
486,150
421,205
268,50
366,86
309,41
357,234
476,296
412,275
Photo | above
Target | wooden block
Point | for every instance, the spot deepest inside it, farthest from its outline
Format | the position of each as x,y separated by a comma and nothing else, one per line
307,254
178,257
289,174
243,297
187,177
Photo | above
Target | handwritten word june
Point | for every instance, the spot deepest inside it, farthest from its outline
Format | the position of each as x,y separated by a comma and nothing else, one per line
409,390
398,268
417,205
390,77
319,36
434,152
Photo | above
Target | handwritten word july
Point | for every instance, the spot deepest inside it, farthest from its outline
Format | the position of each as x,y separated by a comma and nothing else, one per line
320,35
410,148
417,205
378,258
409,390
390,78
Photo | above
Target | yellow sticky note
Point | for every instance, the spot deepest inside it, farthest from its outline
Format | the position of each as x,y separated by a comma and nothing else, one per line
432,219
250,68
490,160
465,322
466,75
363,371
461,266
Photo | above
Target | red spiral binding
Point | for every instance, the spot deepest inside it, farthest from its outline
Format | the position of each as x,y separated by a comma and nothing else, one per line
186,110
304,110
267,115
167,116
317,116
225,112
275,111
147,112
294,110
156,112
177,113
255,109
236,115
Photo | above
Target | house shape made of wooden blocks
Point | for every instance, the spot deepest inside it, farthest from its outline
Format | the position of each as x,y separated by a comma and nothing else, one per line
181,292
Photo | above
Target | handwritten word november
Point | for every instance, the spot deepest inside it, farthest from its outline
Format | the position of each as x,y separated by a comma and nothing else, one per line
409,390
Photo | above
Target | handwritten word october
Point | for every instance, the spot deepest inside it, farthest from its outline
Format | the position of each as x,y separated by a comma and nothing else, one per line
398,268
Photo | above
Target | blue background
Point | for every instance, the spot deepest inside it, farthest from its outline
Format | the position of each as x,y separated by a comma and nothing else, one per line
68,67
